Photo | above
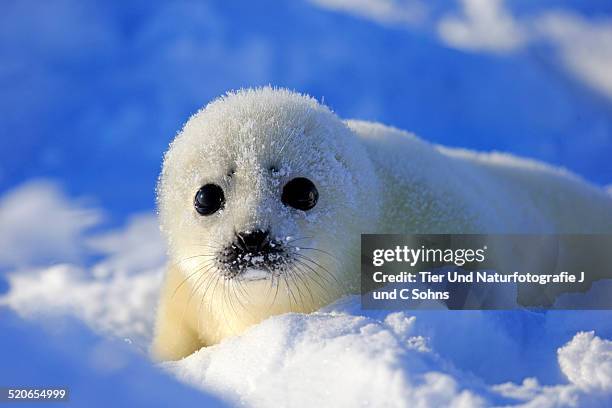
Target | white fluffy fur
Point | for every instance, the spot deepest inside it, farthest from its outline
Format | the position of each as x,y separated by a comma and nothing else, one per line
371,178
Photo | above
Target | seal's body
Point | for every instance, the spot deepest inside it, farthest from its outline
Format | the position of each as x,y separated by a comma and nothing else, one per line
264,194
433,189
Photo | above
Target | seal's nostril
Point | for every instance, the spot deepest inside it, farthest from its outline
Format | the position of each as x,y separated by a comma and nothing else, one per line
252,240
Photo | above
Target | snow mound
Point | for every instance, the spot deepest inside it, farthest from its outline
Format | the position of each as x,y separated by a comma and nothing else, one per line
120,305
326,358
338,358
116,295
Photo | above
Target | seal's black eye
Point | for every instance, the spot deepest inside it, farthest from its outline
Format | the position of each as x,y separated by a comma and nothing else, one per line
209,199
300,193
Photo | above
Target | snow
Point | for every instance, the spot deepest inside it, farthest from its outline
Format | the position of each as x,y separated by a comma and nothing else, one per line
115,295
586,361
338,356
327,358
119,305
99,372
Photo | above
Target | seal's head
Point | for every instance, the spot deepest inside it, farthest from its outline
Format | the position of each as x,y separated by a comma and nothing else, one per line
267,188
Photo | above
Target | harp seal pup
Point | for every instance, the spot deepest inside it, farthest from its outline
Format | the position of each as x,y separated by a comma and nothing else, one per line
264,193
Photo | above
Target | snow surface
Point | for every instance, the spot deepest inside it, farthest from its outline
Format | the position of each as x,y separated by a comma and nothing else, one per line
339,356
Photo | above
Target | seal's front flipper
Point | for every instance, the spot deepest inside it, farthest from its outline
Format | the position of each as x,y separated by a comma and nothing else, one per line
174,338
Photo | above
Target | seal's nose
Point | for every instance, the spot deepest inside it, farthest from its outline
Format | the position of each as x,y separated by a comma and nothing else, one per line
252,241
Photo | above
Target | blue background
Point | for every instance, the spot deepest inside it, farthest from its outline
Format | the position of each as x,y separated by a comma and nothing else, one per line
92,93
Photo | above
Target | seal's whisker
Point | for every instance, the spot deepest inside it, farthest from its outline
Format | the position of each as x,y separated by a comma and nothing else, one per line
323,269
270,286
198,270
227,299
290,292
316,281
208,282
177,263
197,285
324,294
295,240
212,300
275,292
272,279
199,244
207,278
322,251
241,291
212,297
300,275
211,283
293,278
234,285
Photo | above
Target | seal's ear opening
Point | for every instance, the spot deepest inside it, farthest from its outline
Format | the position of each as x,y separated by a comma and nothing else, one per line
300,193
